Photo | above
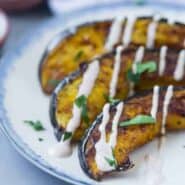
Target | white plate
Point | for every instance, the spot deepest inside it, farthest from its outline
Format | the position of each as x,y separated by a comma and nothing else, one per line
21,99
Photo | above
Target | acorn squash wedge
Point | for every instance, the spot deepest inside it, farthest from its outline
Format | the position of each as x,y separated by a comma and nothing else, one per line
131,137
70,48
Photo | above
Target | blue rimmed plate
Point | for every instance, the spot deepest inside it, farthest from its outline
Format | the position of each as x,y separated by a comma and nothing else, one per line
22,99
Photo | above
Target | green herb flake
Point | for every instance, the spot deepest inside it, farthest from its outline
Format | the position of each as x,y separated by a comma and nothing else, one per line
78,55
81,102
111,162
36,125
67,135
138,120
85,115
110,99
53,82
133,77
149,67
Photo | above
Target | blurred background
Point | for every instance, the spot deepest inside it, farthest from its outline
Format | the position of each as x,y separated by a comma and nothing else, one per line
15,13
17,18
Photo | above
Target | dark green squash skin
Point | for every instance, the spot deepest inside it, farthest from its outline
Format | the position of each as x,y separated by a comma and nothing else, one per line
82,145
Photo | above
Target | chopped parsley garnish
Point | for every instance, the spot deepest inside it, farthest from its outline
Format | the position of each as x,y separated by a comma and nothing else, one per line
36,125
133,77
110,99
81,102
78,55
67,135
53,82
138,120
149,67
111,162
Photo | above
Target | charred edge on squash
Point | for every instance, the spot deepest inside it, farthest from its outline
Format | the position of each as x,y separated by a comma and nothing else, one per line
59,37
82,145
81,153
58,131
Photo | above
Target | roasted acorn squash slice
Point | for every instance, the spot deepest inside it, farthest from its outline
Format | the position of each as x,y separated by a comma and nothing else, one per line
89,40
131,137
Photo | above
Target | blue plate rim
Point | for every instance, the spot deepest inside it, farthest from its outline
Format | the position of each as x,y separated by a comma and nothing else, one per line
7,62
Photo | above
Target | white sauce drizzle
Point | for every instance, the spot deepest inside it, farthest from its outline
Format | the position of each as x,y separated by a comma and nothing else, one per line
152,31
63,148
138,59
179,71
162,60
103,148
113,83
155,101
171,20
114,34
128,30
113,136
167,99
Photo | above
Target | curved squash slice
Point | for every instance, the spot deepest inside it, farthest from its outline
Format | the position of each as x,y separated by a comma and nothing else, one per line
131,137
89,40
66,92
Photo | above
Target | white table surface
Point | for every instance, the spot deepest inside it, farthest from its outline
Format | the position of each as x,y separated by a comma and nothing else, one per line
14,169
